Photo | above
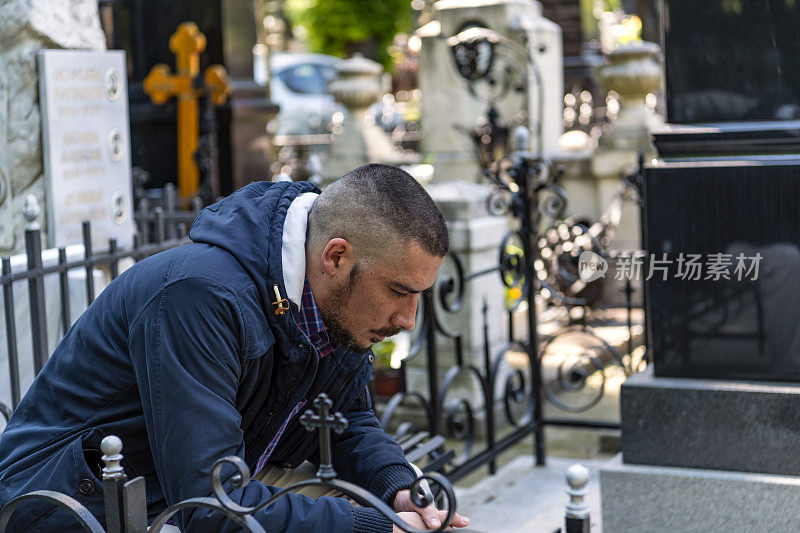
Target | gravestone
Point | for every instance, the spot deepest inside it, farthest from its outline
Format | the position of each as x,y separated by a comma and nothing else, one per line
447,101
25,28
86,142
143,28
710,433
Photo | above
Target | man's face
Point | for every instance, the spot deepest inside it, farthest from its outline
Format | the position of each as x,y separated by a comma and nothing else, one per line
379,299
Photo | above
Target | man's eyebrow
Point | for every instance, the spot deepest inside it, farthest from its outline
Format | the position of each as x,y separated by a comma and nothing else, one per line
405,288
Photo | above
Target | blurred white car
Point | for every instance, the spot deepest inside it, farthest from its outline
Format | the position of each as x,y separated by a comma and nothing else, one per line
299,85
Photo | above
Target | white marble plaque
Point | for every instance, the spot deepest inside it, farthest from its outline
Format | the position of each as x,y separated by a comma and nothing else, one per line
86,146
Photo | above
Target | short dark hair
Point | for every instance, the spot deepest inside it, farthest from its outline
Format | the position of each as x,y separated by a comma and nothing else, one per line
378,205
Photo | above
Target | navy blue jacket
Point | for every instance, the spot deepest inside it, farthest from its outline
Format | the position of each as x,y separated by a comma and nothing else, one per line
183,358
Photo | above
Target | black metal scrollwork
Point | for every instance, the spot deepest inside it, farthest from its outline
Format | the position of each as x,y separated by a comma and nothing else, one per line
322,420
80,513
518,389
449,285
5,411
574,365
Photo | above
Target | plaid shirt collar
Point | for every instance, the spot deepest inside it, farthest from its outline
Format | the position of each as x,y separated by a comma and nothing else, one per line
310,322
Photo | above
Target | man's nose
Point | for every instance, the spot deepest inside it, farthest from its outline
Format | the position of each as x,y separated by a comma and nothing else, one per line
406,315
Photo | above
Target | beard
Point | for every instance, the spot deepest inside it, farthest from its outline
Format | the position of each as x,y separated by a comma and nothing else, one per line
331,313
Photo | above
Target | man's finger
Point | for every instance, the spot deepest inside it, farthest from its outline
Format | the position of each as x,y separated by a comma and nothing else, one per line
459,521
431,516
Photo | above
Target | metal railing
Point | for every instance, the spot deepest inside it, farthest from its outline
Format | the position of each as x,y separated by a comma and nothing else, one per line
125,502
511,406
513,398
160,231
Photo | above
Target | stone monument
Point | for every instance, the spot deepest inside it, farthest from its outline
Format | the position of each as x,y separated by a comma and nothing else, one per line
447,100
86,140
475,236
25,28
709,434
357,86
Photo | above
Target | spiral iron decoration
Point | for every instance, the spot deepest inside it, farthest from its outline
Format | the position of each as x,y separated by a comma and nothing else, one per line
322,420
512,260
560,248
460,414
449,285
517,388
552,201
575,382
80,513
5,411
395,402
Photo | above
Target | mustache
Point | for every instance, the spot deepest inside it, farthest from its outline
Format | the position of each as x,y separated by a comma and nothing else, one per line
386,332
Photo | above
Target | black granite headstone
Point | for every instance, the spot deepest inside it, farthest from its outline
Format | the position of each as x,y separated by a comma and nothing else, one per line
727,192
723,198
728,305
732,60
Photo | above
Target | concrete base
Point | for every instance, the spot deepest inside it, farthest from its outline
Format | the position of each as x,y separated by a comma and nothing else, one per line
739,426
653,498
524,498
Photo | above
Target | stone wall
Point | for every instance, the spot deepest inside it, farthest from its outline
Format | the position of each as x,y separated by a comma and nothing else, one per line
27,26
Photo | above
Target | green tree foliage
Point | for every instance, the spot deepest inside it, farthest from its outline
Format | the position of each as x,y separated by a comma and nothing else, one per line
344,27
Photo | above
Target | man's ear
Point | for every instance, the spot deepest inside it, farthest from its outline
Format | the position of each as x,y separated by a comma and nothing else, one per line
336,256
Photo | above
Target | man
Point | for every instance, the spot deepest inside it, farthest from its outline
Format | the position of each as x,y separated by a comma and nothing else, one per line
213,348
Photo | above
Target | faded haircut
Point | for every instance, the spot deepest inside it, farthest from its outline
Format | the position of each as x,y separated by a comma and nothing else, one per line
377,209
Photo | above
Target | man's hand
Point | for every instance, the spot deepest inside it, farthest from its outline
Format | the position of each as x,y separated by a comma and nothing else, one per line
428,516
413,519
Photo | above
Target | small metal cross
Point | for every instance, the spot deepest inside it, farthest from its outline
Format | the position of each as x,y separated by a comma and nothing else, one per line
325,422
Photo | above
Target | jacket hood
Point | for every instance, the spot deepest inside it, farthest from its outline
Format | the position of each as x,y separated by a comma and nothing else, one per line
249,225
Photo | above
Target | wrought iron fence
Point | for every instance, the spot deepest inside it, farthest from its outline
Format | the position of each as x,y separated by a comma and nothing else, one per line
125,502
513,399
510,412
159,231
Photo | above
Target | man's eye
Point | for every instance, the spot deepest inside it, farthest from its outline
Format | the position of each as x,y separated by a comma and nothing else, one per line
398,293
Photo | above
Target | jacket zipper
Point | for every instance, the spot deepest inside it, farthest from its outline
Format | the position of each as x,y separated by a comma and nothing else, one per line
335,397
349,377
286,403
279,312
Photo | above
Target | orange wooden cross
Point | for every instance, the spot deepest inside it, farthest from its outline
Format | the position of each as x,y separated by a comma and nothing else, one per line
187,43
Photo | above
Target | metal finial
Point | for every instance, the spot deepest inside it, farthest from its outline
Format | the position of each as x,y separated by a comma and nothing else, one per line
111,447
522,139
31,212
314,167
577,479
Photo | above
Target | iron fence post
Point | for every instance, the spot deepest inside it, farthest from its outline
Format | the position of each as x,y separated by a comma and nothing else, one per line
525,171
33,250
576,519
113,480
144,221
114,265
488,386
170,201
433,383
63,288
629,320
87,252
11,332
158,225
